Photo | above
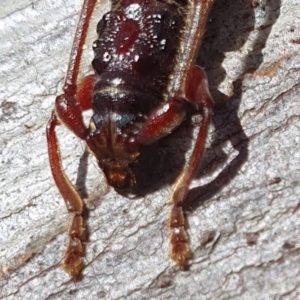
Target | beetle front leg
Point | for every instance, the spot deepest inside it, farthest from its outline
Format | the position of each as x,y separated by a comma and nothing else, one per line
73,262
68,110
163,121
197,93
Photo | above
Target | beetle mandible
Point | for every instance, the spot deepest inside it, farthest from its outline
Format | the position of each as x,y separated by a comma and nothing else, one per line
145,74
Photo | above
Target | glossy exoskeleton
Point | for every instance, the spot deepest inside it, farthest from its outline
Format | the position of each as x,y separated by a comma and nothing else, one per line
145,74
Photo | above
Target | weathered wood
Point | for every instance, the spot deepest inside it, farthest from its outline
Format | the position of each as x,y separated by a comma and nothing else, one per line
244,221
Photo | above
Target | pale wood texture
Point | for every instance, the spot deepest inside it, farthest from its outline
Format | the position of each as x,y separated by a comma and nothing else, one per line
244,221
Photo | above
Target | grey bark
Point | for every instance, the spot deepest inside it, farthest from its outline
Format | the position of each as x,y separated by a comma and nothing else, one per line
243,207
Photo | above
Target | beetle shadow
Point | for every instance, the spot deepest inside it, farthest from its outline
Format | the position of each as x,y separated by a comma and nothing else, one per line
231,22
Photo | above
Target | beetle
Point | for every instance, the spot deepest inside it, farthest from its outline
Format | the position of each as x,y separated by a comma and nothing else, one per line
145,76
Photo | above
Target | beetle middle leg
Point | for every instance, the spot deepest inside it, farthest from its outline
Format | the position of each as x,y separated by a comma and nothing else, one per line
163,121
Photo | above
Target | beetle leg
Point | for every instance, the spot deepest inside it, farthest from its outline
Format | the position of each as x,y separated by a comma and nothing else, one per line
69,112
162,122
74,203
196,92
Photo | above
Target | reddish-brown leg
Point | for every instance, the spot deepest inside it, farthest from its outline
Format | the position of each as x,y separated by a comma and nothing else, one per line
189,83
68,110
196,92
163,121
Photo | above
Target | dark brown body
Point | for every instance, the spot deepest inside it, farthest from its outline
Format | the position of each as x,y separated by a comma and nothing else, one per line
135,56
144,77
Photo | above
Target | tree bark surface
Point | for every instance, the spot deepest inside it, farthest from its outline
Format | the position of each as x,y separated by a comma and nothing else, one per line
243,207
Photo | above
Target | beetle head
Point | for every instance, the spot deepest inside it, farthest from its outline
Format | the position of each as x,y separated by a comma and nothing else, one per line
112,140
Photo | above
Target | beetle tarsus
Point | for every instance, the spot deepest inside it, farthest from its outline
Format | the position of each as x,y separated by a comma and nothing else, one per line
73,263
180,250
